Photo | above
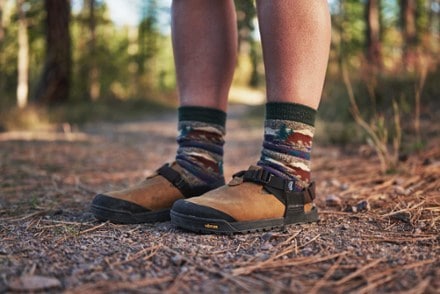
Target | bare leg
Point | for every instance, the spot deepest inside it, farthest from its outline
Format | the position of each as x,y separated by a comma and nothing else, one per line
205,47
296,40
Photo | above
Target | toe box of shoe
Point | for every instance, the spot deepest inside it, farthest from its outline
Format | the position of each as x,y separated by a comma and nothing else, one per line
191,209
106,202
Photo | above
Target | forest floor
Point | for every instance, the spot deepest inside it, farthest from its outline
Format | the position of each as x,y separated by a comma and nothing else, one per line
389,241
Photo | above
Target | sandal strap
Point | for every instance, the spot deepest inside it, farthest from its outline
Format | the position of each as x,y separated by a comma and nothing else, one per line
183,186
175,178
282,189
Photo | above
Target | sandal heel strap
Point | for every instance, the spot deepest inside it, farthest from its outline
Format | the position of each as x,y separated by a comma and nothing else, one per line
283,190
179,182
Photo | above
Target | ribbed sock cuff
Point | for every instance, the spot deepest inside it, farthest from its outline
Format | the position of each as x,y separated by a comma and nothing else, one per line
202,114
291,111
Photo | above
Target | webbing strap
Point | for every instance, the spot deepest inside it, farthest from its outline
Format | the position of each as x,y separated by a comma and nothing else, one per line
281,188
175,178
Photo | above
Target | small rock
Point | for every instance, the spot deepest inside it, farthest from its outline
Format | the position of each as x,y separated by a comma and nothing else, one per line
262,256
403,157
344,187
427,161
333,200
177,260
345,227
184,269
363,205
135,277
335,183
402,216
266,246
307,251
400,190
33,283
57,212
267,236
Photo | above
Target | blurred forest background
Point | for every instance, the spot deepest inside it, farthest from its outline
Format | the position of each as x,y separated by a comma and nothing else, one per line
69,62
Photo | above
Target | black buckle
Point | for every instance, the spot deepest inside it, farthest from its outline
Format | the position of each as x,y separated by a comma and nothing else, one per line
264,176
258,176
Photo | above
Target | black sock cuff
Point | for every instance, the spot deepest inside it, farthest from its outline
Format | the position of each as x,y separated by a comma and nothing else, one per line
202,114
291,111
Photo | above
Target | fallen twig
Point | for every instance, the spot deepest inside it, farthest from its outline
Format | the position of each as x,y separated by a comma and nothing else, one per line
107,286
153,250
359,271
373,285
318,285
206,269
264,265
81,233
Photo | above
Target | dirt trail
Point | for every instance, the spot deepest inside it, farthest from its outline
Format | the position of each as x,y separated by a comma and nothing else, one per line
48,239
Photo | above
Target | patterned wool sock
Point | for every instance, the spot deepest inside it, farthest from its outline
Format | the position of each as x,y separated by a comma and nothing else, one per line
200,152
288,135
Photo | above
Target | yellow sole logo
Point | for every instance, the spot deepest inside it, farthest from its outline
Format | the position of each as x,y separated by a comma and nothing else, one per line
211,226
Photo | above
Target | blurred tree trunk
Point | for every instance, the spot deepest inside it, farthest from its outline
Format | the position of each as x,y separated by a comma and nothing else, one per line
2,29
54,84
94,84
2,35
374,45
408,20
23,57
425,40
434,18
245,16
148,37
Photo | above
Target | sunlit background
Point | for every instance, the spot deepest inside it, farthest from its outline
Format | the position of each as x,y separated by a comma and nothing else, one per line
117,54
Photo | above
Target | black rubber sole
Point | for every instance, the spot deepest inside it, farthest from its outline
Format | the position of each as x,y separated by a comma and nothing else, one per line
125,217
220,226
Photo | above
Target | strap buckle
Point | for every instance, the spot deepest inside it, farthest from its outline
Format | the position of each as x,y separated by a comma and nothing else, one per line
262,176
258,176
265,176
